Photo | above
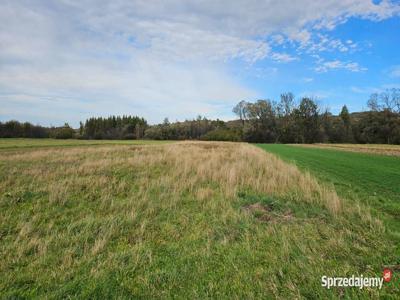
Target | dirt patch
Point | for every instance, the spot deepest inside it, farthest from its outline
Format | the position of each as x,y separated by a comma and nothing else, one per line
266,213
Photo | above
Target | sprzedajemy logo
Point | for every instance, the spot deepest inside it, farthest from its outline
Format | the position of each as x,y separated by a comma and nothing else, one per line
357,281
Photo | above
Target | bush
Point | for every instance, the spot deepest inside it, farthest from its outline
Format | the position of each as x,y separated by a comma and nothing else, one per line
65,132
222,135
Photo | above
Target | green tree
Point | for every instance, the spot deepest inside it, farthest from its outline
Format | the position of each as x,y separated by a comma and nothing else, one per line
308,120
346,119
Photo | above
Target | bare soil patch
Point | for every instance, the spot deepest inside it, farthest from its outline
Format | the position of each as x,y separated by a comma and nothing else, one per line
266,214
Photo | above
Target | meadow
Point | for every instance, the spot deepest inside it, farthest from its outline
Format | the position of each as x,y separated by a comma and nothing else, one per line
180,220
369,174
15,143
373,179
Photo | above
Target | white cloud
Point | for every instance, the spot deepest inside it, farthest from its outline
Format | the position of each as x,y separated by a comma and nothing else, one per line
374,89
283,57
325,66
154,58
364,90
394,71
145,87
324,43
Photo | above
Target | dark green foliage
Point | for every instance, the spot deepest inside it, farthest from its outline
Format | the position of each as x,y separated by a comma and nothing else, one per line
285,122
114,127
65,132
222,135
307,117
199,128
269,122
261,122
381,127
22,130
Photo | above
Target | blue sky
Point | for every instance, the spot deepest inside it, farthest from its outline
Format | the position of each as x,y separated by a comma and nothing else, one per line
64,61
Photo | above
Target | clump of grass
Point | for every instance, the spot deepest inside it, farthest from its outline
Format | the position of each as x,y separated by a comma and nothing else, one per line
169,221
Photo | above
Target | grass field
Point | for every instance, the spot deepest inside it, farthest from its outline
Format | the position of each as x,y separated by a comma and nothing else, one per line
178,220
373,180
15,143
393,150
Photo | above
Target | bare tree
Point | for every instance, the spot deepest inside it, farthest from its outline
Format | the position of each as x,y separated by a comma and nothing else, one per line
287,103
373,102
395,94
240,110
388,100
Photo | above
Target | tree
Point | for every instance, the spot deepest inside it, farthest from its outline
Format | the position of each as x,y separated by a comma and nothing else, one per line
345,117
387,100
287,103
81,129
26,130
64,132
114,127
262,122
240,110
307,115
395,94
286,124
373,102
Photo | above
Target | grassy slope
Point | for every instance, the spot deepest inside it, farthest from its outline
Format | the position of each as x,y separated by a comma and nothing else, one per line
168,221
371,179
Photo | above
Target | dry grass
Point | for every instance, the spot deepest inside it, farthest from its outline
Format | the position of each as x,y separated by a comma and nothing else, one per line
188,166
392,150
154,221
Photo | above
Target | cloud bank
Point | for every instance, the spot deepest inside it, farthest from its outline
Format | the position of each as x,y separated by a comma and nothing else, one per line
68,60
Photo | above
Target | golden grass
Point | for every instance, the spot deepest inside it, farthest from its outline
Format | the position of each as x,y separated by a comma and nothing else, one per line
187,166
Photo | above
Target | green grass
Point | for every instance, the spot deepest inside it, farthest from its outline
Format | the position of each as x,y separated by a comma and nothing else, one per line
14,143
172,221
373,180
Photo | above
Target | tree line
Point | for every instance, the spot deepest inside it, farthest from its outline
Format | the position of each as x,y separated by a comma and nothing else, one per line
289,122
261,121
113,127
15,129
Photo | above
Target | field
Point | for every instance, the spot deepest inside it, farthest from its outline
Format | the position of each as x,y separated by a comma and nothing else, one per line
372,179
184,220
16,143
393,150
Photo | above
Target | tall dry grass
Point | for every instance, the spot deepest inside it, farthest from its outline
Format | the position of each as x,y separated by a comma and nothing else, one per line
235,167
184,166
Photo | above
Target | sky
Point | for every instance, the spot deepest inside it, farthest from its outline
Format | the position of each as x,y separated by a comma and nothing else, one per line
66,60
